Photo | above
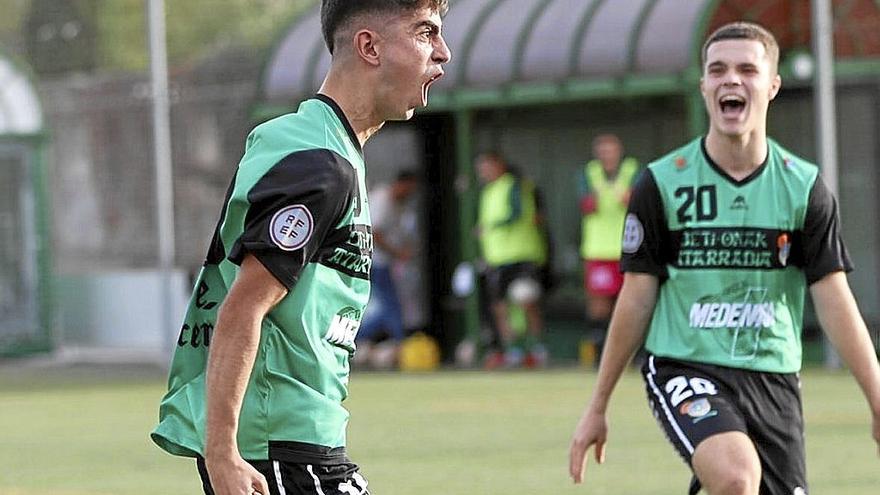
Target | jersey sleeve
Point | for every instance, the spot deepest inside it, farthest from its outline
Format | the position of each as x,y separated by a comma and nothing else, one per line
646,236
824,251
292,208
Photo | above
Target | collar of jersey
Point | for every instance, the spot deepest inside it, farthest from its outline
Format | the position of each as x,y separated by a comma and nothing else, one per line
745,180
342,118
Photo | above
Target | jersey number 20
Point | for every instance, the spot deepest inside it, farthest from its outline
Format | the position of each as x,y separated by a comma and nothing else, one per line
703,201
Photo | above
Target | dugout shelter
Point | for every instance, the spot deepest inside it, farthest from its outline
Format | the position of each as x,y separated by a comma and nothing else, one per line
25,310
538,79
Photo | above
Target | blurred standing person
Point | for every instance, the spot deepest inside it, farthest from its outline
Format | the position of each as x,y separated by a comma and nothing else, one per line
280,296
409,274
723,239
605,186
514,248
392,244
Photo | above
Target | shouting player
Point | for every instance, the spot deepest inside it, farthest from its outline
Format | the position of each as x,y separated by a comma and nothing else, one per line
282,290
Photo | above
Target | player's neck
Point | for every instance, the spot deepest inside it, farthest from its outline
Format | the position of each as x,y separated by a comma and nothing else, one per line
352,96
738,156
610,168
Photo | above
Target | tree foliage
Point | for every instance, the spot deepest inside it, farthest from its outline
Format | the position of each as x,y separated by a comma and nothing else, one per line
194,27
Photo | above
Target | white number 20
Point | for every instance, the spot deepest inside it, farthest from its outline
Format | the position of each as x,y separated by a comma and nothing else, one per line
678,389
357,485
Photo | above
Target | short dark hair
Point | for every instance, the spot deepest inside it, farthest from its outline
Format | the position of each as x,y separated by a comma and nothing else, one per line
335,13
745,31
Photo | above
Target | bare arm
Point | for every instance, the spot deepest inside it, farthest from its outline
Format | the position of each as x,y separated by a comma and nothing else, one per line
840,318
626,332
234,348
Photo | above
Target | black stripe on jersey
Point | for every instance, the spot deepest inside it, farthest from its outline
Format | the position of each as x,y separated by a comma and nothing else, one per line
818,249
349,250
321,181
735,248
654,249
824,250
216,251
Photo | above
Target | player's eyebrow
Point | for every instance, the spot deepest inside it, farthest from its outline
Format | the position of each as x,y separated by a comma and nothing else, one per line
740,66
429,24
746,65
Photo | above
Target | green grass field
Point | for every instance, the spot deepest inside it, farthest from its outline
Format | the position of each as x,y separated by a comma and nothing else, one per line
78,432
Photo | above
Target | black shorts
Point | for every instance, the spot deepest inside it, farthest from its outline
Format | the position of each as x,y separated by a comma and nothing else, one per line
294,478
693,401
499,278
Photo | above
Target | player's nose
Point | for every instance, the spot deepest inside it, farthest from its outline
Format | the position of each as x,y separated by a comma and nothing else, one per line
731,78
442,54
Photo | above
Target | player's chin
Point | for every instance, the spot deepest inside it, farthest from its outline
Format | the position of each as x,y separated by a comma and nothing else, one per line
402,114
733,131
405,111
729,128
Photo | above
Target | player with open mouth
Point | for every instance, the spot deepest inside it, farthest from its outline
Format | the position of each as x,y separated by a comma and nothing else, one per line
721,318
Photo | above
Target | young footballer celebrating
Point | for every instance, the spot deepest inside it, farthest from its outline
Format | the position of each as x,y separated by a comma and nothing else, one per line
286,279
722,239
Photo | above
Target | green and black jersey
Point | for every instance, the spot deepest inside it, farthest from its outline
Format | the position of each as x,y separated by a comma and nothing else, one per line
734,258
298,204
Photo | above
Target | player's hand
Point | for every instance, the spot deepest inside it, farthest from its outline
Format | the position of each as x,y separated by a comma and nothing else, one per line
234,476
591,430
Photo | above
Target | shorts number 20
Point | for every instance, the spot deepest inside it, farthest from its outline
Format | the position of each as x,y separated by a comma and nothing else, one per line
680,388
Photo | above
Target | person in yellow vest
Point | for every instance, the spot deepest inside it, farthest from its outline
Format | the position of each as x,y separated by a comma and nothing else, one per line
514,248
605,184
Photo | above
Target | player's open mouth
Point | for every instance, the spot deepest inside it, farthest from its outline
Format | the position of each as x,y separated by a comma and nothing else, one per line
732,105
427,85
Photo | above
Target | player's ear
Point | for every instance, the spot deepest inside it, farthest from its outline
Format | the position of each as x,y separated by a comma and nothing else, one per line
702,86
775,85
365,45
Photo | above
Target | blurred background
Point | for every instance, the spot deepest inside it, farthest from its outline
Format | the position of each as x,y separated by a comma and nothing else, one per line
89,236
106,212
